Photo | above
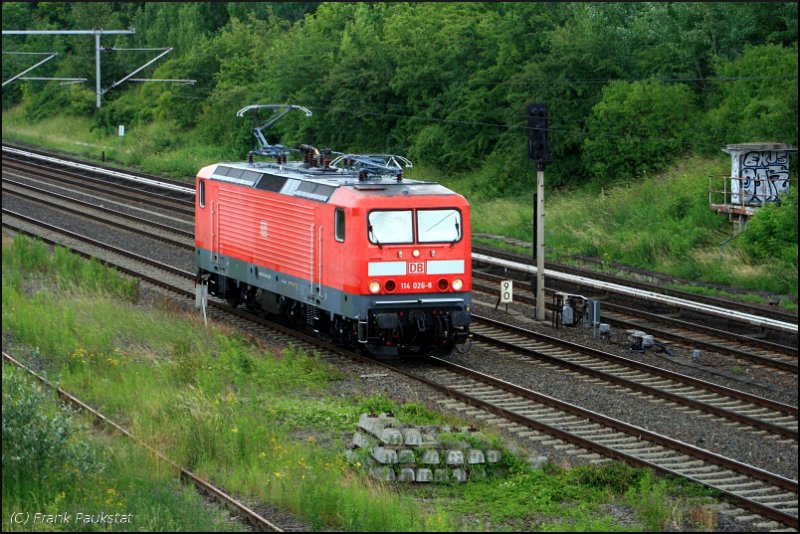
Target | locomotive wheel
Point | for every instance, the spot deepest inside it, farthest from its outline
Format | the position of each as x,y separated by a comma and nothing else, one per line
463,348
234,298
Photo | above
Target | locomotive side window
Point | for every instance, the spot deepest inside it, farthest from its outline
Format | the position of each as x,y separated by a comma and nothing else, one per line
390,227
202,193
438,226
339,224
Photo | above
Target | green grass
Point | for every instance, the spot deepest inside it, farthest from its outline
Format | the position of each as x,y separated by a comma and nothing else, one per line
155,148
576,500
54,464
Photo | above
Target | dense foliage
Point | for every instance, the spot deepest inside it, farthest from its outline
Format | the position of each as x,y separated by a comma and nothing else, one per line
630,86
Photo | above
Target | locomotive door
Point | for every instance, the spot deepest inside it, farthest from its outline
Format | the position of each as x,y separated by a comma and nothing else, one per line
315,261
215,229
317,254
320,253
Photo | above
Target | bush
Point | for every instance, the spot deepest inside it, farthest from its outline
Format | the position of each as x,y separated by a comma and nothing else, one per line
432,145
637,128
44,102
772,232
40,453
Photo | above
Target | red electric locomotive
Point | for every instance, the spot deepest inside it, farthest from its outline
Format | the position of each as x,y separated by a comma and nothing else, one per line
346,246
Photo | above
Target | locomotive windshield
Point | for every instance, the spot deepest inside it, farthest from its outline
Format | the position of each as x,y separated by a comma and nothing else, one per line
390,227
438,226
396,226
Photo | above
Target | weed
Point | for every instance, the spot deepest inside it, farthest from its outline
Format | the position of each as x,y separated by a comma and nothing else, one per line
649,499
705,517
616,477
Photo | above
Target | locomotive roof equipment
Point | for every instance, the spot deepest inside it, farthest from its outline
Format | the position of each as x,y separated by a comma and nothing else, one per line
278,151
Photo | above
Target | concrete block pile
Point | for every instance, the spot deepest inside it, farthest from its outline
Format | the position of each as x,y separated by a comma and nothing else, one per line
394,452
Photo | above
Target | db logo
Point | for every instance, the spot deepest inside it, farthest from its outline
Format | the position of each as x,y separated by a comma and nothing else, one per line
416,267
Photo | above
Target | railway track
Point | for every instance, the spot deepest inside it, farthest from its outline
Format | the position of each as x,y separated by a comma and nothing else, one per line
780,412
184,239
775,418
110,216
37,161
685,334
178,203
533,415
594,436
688,335
147,227
84,169
749,410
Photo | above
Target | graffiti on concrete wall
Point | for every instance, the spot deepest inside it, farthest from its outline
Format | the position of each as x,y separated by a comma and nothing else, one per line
763,176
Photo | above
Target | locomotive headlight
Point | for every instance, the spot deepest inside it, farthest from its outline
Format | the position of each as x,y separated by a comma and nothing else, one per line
415,253
458,284
374,286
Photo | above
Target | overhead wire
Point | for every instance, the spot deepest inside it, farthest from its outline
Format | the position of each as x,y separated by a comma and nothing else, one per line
557,129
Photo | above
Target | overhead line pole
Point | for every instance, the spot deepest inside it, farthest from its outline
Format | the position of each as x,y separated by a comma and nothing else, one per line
96,33
99,91
540,241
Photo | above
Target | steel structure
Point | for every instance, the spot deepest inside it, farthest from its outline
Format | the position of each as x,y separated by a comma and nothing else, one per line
97,34
50,55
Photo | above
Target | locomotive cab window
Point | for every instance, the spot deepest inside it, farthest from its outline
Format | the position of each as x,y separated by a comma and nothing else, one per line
202,193
338,224
438,226
390,227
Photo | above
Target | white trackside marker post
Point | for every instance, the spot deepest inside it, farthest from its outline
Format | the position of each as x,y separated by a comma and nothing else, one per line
201,299
506,293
